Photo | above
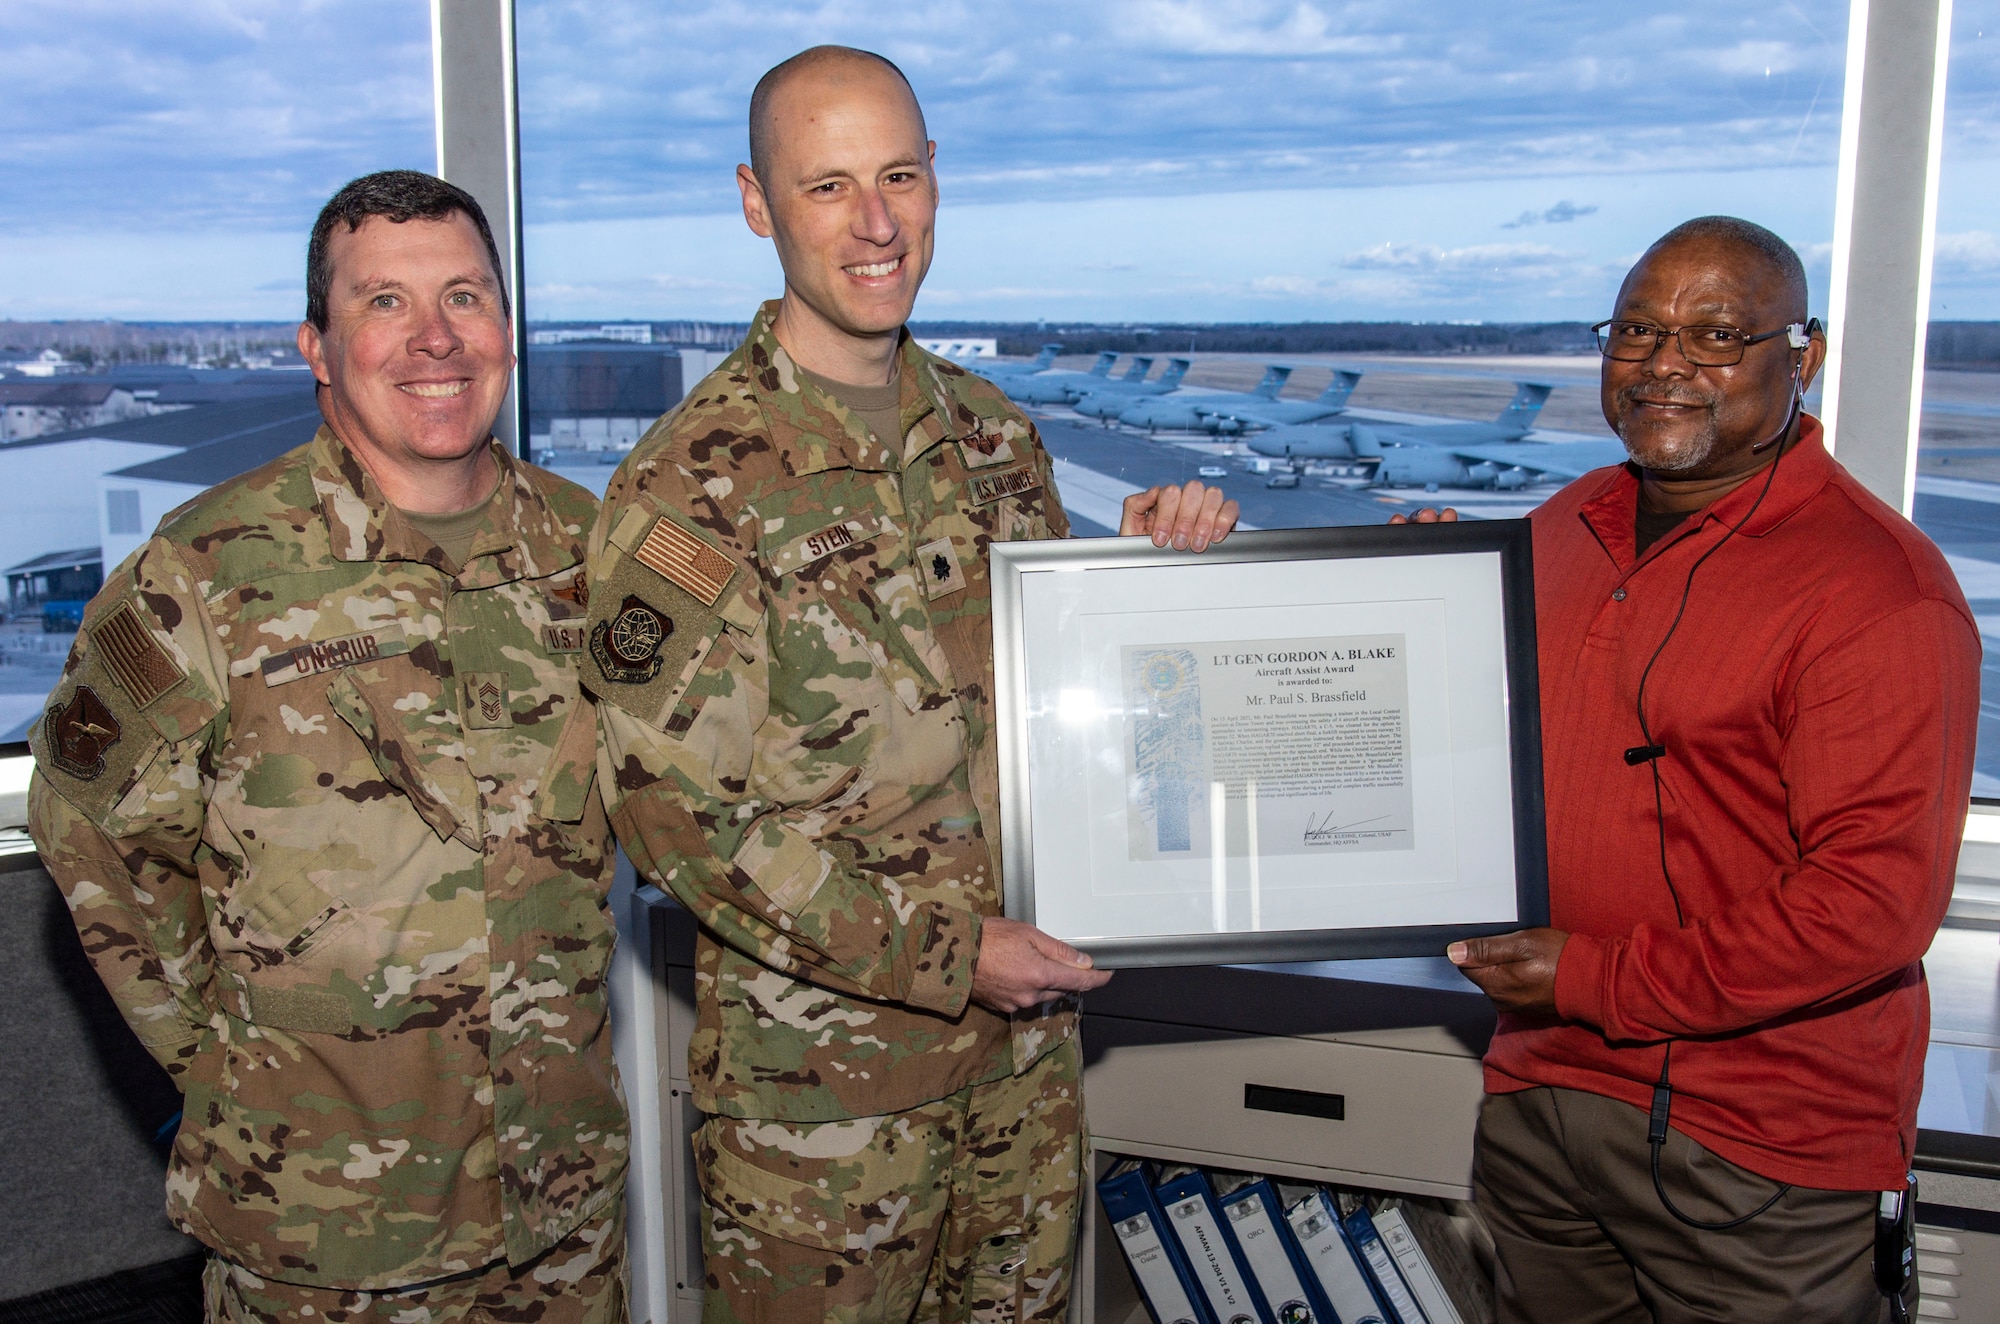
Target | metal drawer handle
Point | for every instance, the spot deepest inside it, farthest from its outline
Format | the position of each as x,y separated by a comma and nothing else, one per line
1302,1103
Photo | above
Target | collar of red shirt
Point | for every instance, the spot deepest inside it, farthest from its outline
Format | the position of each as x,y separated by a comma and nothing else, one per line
1801,472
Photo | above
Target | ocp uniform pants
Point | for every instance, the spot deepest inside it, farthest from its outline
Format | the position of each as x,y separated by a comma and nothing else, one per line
580,1280
960,1210
1564,1182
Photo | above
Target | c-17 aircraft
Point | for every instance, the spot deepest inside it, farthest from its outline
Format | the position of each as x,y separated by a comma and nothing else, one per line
1231,413
1445,454
1055,388
1109,399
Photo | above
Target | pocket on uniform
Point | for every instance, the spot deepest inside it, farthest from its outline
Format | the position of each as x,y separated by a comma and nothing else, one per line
410,752
879,1198
767,1202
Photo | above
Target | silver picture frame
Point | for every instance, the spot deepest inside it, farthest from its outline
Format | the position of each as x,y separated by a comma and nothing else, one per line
1359,706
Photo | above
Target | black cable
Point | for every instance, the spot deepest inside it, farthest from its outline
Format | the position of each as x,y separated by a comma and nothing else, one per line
1650,753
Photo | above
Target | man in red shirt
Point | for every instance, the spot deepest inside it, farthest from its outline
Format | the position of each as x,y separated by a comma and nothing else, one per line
1760,687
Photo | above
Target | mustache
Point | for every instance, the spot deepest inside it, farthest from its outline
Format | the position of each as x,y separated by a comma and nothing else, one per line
1662,393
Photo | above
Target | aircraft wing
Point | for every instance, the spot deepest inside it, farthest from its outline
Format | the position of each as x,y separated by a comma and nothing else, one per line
1559,459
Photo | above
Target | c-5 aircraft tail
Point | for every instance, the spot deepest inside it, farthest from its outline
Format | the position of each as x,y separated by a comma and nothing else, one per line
1520,413
1045,358
1274,382
1102,368
1176,369
1340,388
1141,365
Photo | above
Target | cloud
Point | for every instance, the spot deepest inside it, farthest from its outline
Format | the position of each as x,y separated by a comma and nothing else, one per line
1967,252
1561,213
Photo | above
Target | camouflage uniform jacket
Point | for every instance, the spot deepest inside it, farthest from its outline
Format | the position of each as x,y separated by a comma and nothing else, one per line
326,819
791,648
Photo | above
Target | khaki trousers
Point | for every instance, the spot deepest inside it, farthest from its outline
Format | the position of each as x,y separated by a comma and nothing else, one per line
961,1210
1564,1181
579,1280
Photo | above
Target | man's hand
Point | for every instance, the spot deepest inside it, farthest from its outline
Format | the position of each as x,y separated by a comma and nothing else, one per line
1019,967
1428,515
1193,515
1516,970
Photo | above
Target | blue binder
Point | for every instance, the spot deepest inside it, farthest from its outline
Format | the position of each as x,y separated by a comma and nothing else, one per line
1213,1259
1394,1292
1150,1247
1343,1279
1287,1284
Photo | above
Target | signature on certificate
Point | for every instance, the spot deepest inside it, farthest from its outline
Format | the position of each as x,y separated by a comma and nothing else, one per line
1321,829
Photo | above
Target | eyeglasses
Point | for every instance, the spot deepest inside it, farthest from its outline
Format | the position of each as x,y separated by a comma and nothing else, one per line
1703,346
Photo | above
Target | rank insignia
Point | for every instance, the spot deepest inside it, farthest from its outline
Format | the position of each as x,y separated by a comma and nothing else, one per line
486,701
937,562
626,648
79,732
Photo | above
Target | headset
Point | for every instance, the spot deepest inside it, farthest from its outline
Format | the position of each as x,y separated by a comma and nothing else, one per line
1894,1224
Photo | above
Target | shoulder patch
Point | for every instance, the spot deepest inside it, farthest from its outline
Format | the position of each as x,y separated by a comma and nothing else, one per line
685,561
133,657
79,733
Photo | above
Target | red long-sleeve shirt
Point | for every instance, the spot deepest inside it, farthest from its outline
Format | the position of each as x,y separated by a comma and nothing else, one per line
1818,705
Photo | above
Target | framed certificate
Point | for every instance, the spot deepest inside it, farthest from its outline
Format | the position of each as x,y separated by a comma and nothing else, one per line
1304,744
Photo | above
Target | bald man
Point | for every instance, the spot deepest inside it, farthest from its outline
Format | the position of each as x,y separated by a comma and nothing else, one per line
790,636
1760,687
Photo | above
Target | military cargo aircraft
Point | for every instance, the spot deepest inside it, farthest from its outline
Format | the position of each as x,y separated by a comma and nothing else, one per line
996,372
1203,411
1055,388
1439,455
1109,400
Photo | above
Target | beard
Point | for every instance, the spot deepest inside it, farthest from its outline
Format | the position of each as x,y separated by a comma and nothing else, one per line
1677,451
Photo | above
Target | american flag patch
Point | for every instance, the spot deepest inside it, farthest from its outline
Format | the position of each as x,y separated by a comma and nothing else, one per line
686,561
136,660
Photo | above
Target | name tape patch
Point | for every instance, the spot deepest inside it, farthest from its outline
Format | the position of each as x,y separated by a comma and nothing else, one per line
686,561
318,658
135,659
818,545
988,488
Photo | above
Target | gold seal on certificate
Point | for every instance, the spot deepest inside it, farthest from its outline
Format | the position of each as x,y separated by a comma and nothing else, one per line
1301,745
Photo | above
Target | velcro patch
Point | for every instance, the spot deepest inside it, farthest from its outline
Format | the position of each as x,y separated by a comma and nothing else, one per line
318,657
985,449
79,732
988,488
686,561
135,659
816,546
938,563
564,637
626,647
486,701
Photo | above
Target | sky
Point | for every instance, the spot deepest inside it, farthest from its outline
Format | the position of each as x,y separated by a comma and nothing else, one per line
1125,160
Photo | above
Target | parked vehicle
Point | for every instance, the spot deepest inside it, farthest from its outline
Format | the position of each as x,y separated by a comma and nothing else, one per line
1282,480
62,616
1212,471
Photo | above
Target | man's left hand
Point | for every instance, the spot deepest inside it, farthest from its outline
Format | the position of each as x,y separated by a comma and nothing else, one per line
1190,516
1516,970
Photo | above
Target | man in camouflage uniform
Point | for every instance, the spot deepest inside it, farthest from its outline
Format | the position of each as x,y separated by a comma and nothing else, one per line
318,784
791,645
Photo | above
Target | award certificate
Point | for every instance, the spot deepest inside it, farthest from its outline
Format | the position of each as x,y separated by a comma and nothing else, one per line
1300,745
